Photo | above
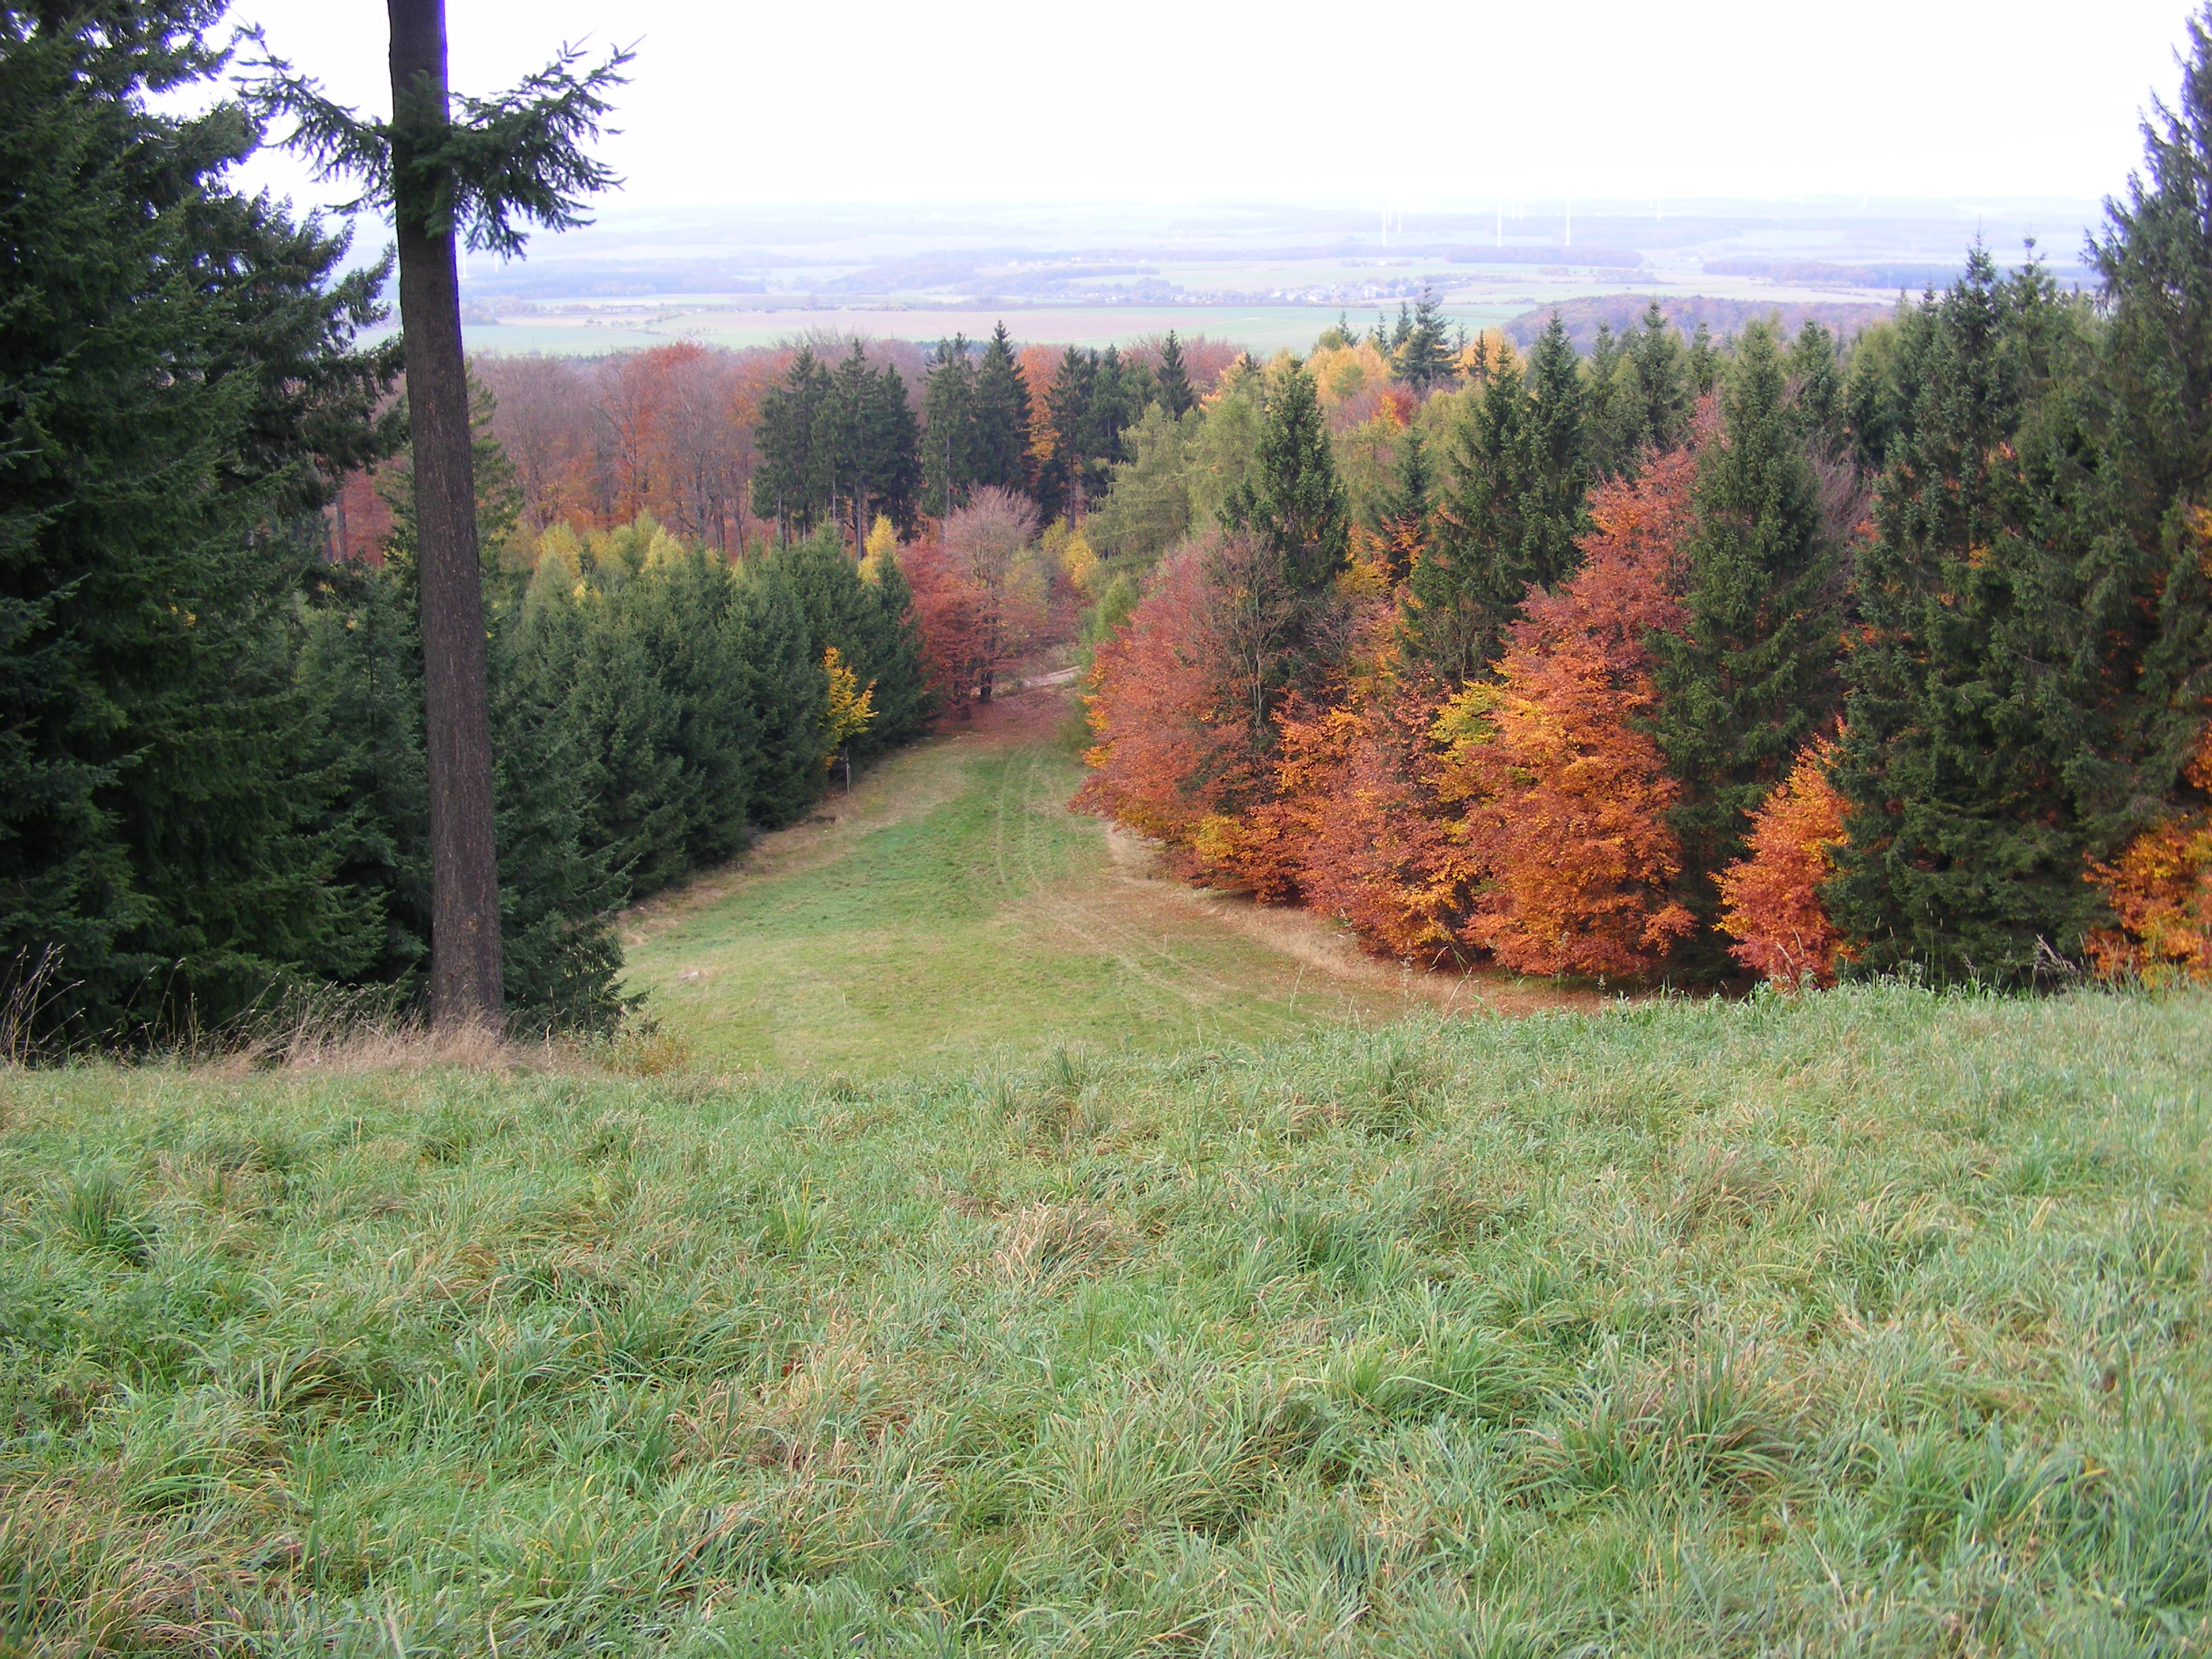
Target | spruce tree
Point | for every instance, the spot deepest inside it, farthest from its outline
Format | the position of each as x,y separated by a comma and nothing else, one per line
1059,478
1294,508
1816,383
844,434
1458,598
563,957
786,693
1559,469
625,719
2126,691
1608,400
1882,387
948,413
179,385
1510,517
1120,390
361,668
686,606
1961,856
1753,673
1405,514
1660,372
1295,504
1423,358
1002,418
1704,364
1173,380
791,484
893,659
867,612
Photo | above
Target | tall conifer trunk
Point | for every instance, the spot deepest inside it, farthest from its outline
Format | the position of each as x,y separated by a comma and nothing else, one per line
464,944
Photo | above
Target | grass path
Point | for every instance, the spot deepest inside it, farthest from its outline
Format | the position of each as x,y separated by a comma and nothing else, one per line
952,905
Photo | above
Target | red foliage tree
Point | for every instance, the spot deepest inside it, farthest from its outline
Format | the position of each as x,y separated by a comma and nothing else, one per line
1360,826
1180,754
978,593
1770,898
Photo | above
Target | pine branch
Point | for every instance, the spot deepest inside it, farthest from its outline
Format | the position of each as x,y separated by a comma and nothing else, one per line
508,162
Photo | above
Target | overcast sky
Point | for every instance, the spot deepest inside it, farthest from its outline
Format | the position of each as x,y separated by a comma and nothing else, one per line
1421,103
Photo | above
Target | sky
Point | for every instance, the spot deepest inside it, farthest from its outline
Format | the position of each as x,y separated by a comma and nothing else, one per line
1422,104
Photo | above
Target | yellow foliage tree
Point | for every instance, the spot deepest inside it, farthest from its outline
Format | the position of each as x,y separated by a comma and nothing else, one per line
1487,353
1343,372
1072,548
882,539
851,709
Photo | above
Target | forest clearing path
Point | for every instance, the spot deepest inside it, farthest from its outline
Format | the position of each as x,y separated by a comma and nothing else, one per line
952,905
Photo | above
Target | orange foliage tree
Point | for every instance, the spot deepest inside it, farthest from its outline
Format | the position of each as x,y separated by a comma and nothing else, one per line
665,431
2159,889
1770,898
1566,794
1038,363
542,414
1359,827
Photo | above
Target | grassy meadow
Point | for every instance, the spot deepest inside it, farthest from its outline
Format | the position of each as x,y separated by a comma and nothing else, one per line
1869,1322
952,907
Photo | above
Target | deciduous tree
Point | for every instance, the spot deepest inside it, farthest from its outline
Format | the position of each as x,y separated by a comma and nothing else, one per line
1771,902
1566,792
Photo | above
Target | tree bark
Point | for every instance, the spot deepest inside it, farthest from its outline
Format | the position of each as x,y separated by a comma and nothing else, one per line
465,987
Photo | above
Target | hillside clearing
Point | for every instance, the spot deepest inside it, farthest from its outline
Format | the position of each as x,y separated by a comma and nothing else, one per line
951,906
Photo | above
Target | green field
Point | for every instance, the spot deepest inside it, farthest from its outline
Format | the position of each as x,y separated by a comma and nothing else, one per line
952,907
594,328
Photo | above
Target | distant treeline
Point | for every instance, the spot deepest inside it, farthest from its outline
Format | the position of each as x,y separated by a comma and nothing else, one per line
1621,313
1602,258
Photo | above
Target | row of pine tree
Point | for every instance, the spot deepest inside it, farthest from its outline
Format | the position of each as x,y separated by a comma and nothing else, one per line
842,445
213,789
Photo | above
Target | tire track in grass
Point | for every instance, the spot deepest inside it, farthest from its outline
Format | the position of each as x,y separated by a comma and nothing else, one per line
1086,919
953,906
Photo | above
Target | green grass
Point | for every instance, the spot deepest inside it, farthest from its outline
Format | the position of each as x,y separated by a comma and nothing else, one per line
958,909
1867,1323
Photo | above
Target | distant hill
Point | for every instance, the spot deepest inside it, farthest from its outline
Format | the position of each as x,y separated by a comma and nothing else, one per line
1686,311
